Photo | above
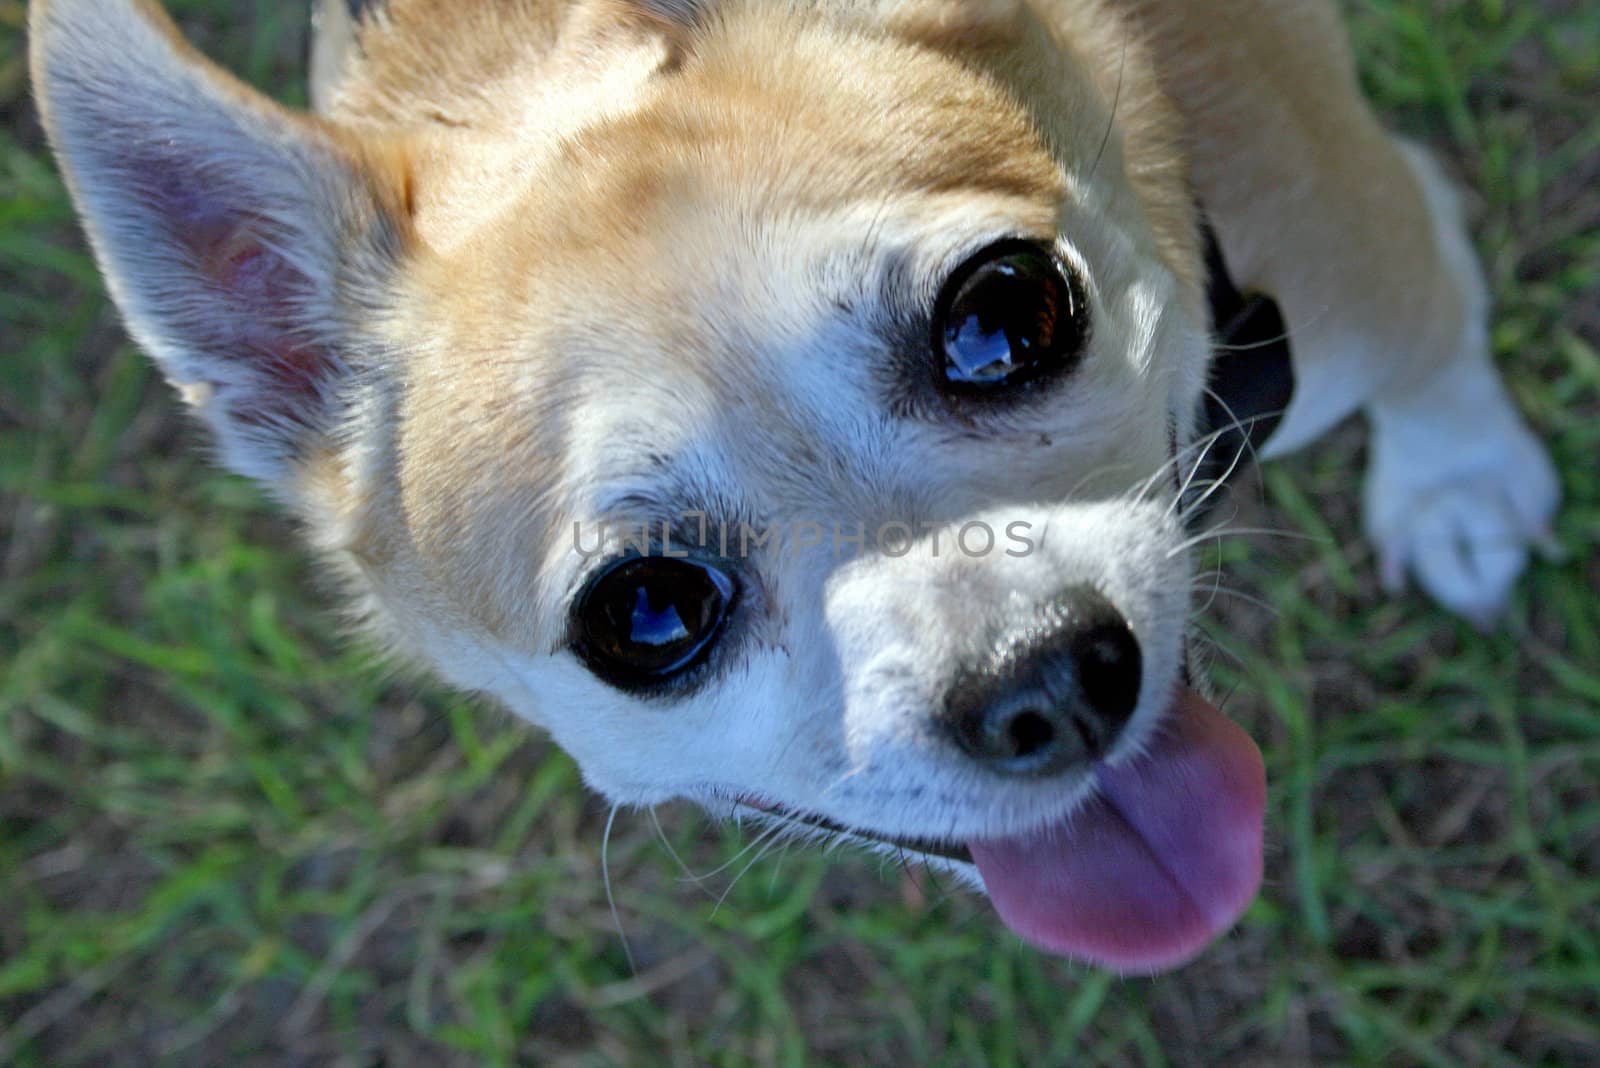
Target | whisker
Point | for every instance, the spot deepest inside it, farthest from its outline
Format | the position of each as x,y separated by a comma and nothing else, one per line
1177,506
688,874
1201,446
1111,120
1219,533
752,844
1215,586
1247,447
611,901
1217,590
1239,456
1141,490
1209,646
766,839
777,867
1265,344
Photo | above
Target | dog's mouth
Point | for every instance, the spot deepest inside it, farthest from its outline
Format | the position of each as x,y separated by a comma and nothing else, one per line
1162,857
945,849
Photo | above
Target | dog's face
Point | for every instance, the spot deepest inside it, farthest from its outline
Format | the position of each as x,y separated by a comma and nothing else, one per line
796,424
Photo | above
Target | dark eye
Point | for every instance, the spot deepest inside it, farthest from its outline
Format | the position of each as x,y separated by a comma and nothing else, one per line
644,619
1008,316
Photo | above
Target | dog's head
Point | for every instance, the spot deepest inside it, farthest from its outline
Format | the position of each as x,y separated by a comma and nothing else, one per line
787,411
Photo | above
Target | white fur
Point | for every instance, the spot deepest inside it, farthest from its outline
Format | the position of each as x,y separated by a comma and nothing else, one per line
1458,488
835,661
834,720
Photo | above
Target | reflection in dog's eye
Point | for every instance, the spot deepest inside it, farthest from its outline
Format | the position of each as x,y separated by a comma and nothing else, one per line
1007,317
643,620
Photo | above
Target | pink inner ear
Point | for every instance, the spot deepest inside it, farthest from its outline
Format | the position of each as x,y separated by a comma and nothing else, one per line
267,288
258,317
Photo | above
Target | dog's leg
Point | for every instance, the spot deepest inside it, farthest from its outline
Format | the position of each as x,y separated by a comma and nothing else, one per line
1359,237
1457,487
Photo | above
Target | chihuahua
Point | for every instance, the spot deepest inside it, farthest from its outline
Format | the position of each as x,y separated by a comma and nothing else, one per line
800,407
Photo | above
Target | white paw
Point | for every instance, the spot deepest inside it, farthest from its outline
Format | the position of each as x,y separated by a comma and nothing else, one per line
1458,492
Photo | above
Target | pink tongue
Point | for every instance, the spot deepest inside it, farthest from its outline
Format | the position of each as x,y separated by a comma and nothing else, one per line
1164,858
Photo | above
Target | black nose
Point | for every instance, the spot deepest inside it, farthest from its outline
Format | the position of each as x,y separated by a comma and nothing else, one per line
1049,692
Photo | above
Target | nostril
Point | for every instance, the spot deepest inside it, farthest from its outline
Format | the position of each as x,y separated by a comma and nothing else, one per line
1015,734
1108,665
1030,732
1019,734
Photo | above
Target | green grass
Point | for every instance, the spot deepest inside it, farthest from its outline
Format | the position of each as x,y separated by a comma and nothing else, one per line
226,839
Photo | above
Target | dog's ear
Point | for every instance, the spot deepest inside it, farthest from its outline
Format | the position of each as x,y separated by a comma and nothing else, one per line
232,232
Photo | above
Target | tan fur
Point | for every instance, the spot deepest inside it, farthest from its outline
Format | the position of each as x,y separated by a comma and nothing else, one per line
528,114
516,215
535,151
1253,102
545,135
1311,198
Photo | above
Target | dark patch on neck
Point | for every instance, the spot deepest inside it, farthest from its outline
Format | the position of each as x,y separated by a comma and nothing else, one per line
1251,378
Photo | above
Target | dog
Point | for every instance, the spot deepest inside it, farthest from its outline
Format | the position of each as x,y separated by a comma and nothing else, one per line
800,407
